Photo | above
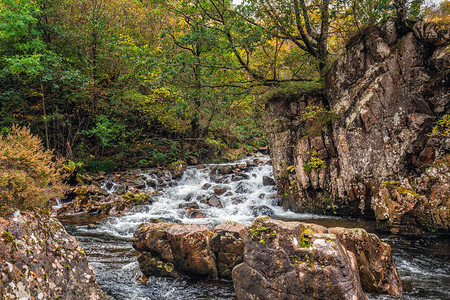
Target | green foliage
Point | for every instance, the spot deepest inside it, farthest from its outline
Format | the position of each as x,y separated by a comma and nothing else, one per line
442,127
109,133
314,162
29,175
72,167
315,119
7,237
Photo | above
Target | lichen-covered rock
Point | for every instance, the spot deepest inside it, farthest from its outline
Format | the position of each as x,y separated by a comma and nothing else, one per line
291,260
227,242
385,95
39,260
173,249
376,266
94,200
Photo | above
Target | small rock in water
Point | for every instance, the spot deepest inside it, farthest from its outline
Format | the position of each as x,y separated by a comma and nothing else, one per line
219,191
195,214
214,202
225,170
206,186
267,181
241,188
240,176
91,226
237,200
188,206
109,185
188,197
151,183
262,211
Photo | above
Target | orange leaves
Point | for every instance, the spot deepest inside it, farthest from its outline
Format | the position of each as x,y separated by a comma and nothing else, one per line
29,175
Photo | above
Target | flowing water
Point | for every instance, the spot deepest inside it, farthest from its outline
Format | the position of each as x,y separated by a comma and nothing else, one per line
423,262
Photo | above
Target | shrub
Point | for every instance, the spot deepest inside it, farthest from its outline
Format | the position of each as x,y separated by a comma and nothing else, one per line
442,127
315,119
29,175
314,163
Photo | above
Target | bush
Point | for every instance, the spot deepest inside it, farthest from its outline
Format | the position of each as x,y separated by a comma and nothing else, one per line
29,175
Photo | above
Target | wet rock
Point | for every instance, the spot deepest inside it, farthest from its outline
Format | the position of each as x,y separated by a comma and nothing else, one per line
177,169
121,189
111,205
376,266
109,185
195,214
237,200
241,188
151,183
214,202
219,191
225,170
240,176
188,197
188,206
262,211
39,260
170,249
206,186
267,181
227,242
287,260
220,179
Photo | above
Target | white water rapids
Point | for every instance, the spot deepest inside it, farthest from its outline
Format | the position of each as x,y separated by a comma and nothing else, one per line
242,201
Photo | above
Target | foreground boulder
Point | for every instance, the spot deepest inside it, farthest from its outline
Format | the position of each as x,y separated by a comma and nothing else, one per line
290,260
39,260
171,250
374,263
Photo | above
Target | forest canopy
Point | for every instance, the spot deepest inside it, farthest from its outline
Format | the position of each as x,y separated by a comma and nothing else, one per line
153,82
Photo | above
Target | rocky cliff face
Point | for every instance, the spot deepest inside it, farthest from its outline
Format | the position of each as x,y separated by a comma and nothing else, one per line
39,260
375,153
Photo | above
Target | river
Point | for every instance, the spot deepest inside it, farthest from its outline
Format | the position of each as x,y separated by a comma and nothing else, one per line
423,262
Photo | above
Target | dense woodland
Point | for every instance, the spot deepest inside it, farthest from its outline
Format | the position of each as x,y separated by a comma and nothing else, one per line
142,82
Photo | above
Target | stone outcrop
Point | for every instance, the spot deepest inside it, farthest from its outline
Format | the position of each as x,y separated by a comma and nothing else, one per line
94,200
39,260
171,250
285,260
277,253
376,266
365,145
